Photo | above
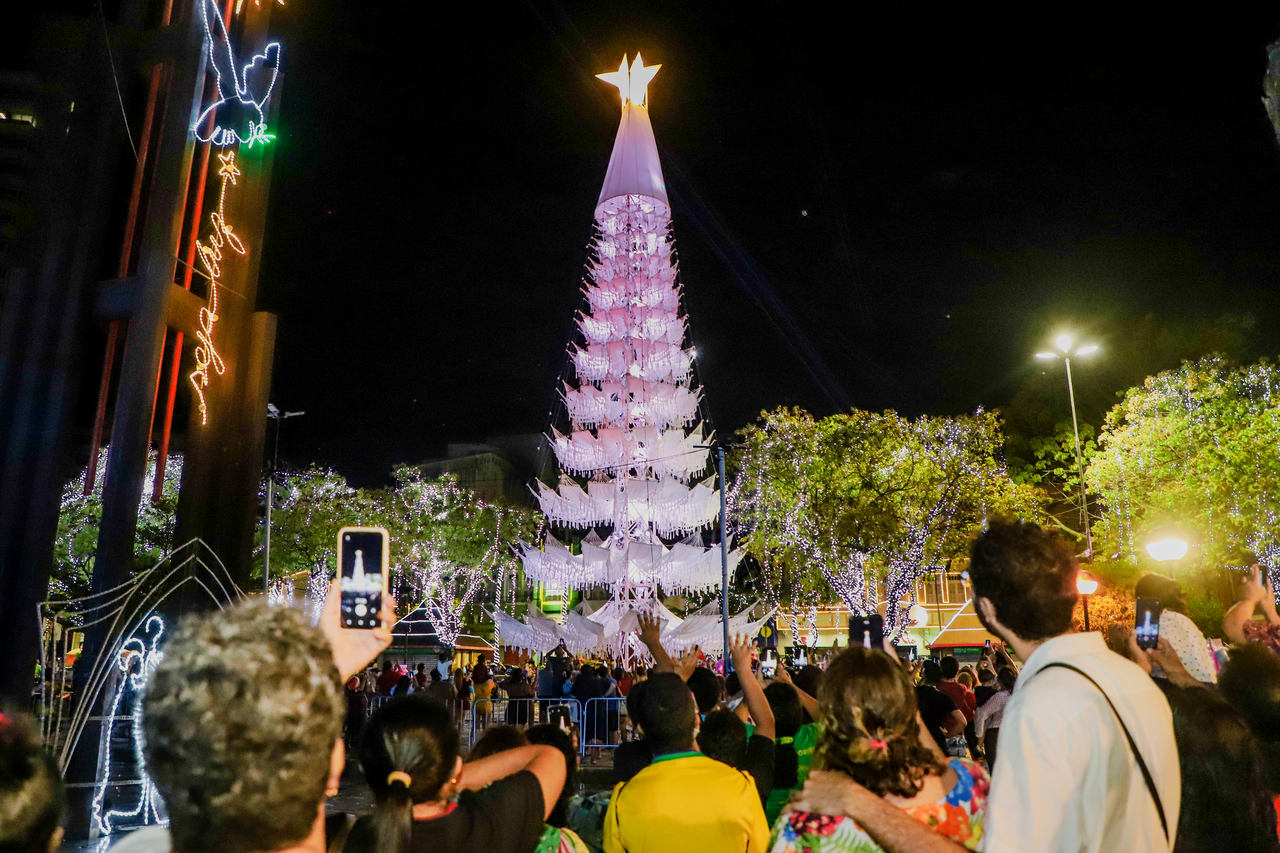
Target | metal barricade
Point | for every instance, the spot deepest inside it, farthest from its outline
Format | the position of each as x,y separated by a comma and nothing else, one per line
524,714
602,723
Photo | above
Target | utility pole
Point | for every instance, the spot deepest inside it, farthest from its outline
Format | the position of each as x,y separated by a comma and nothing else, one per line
276,415
1067,347
1075,430
724,564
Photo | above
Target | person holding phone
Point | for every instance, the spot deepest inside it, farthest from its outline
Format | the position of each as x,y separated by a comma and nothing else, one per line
1088,759
1239,624
1184,638
265,685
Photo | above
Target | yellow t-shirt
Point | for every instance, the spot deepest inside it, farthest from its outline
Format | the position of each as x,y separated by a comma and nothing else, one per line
686,801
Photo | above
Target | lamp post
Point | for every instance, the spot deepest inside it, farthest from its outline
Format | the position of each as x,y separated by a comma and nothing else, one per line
1086,585
1167,549
1067,349
276,415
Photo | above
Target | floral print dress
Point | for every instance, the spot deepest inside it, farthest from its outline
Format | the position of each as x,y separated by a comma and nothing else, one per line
957,816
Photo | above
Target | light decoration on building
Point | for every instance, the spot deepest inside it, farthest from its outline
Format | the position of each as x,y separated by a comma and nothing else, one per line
238,115
210,253
634,504
138,658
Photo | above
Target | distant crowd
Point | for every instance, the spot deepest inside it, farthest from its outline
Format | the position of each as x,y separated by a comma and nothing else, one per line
1051,741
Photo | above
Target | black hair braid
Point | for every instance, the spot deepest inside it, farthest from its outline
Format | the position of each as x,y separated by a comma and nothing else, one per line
412,736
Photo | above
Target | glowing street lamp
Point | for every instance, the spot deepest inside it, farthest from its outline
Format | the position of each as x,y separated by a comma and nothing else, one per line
1167,549
1067,349
1086,585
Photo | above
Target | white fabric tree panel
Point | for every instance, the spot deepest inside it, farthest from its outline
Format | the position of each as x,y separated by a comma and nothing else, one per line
669,453
638,323
702,628
680,568
673,509
654,361
640,403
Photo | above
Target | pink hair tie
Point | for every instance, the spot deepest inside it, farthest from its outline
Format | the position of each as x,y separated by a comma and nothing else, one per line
878,744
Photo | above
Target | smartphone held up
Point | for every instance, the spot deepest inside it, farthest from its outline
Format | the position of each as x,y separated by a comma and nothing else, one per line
1147,622
867,631
362,578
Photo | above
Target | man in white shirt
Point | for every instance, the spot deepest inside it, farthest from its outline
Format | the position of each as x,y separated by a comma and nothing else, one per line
1067,779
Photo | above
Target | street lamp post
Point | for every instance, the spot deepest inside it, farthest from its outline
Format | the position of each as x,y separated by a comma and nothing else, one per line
1167,549
1066,346
1086,585
276,415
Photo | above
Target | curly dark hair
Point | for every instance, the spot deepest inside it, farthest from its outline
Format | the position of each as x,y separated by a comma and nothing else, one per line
32,798
1028,575
867,708
240,719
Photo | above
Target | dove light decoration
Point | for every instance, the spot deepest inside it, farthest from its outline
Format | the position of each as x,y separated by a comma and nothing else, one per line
242,94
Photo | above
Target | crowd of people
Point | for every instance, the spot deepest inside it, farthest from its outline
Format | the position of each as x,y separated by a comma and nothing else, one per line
1103,744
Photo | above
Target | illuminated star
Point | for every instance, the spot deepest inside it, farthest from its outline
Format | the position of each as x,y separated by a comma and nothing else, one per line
633,84
640,77
228,169
618,78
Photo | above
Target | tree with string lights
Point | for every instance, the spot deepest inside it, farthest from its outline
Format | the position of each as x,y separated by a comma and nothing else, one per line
448,547
310,507
846,503
79,515
1195,448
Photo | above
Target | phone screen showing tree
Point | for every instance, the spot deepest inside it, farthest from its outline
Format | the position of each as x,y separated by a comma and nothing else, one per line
866,631
1147,622
360,554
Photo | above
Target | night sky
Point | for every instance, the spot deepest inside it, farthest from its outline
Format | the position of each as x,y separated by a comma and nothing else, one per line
876,212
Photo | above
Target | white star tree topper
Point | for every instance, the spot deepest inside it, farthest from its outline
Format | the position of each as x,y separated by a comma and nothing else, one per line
632,84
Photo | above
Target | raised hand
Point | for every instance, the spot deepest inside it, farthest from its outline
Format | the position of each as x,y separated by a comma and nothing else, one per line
1253,589
687,663
781,674
1138,654
355,648
650,629
740,653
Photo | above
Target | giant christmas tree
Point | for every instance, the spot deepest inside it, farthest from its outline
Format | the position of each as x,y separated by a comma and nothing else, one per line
635,496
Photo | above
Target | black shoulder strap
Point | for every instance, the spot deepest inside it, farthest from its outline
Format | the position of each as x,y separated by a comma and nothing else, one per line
1133,747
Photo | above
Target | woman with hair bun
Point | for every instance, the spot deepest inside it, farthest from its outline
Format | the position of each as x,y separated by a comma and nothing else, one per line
426,799
871,735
